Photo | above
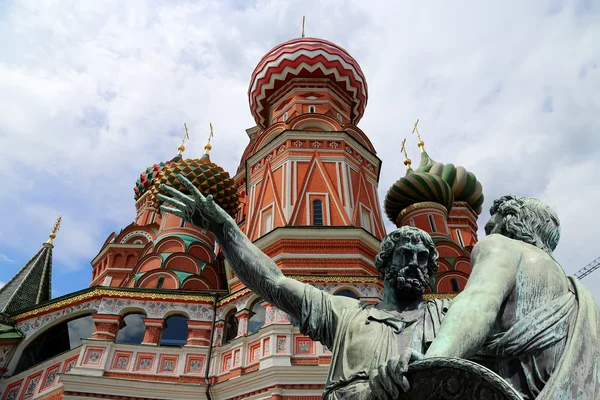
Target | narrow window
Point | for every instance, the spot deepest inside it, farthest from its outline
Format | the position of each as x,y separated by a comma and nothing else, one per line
153,218
432,223
267,222
285,117
160,282
412,222
231,327
312,109
182,223
317,212
455,286
339,117
460,239
365,220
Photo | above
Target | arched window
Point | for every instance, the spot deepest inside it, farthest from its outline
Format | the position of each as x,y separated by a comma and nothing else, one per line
160,282
347,293
317,213
132,329
285,116
175,332
55,340
256,318
432,223
231,327
312,109
339,117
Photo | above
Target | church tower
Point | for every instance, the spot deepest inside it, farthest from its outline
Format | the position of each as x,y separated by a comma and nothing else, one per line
444,200
308,178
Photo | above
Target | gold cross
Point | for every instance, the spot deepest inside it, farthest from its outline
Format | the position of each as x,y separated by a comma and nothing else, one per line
403,149
415,129
55,229
181,147
303,18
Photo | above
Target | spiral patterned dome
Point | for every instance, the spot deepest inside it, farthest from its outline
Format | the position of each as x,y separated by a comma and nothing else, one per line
416,187
465,186
306,58
207,176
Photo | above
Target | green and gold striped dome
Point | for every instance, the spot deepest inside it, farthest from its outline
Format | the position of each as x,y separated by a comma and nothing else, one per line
416,187
465,186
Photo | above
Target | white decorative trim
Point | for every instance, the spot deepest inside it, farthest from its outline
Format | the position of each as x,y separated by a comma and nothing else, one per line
136,233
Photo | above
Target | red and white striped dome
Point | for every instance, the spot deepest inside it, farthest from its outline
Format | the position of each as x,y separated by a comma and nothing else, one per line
306,58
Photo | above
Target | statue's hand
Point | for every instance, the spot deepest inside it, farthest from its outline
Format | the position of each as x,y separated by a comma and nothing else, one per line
197,209
387,381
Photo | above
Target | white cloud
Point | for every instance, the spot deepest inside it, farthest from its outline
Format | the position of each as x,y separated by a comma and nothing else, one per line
5,258
92,95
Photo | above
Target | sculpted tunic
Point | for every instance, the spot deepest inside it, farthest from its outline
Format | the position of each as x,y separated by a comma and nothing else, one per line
361,337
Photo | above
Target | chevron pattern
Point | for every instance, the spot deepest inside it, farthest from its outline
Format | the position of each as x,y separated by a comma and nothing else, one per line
306,58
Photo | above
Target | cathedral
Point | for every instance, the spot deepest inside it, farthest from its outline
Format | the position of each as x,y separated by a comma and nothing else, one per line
164,316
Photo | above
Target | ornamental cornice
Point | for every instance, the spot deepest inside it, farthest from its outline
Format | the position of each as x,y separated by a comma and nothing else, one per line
423,204
100,292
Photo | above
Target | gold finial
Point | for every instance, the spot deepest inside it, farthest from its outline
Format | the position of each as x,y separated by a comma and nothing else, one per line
407,161
208,147
420,143
54,230
303,18
181,147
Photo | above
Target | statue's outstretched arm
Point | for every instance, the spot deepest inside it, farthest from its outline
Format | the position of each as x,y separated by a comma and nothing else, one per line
255,269
474,311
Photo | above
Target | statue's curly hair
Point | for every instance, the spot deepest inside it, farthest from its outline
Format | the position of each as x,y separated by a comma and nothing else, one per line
414,234
529,220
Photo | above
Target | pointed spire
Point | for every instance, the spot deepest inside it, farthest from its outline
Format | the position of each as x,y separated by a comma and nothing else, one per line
32,284
208,146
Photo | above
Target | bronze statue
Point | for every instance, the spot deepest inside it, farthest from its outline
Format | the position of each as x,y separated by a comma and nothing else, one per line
519,314
364,339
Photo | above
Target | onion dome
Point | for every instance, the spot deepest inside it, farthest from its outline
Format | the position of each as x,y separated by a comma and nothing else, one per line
207,176
465,186
146,180
416,187
306,58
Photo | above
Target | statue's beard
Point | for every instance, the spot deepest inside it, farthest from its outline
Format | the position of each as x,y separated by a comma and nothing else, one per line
406,281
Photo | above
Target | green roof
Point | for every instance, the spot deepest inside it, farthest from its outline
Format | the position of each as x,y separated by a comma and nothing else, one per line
31,285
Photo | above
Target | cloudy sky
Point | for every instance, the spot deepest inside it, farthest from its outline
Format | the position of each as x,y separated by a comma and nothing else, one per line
91,93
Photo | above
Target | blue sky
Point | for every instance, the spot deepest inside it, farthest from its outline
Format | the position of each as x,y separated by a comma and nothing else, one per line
92,94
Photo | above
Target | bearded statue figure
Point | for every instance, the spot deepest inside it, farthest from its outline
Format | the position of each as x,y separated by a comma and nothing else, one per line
366,340
519,314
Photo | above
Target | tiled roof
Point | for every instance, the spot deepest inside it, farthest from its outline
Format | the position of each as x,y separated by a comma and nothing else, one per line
31,285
